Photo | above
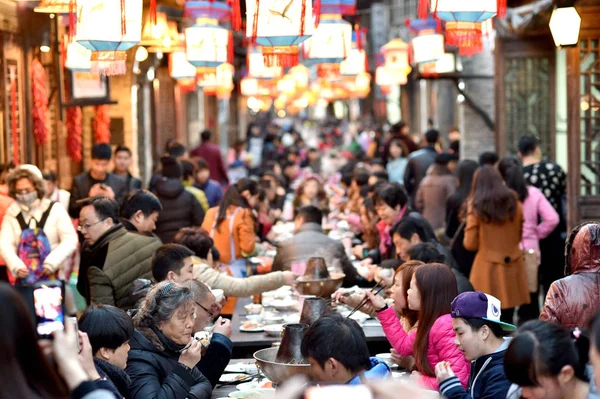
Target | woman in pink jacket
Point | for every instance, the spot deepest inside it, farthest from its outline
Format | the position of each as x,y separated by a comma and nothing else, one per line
540,219
432,289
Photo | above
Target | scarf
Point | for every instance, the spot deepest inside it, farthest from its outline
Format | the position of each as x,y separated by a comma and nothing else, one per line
384,232
171,348
117,376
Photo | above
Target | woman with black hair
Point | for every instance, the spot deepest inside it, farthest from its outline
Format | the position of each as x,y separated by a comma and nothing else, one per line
547,361
232,225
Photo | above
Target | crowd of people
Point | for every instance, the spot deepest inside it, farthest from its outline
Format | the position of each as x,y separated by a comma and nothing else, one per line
465,249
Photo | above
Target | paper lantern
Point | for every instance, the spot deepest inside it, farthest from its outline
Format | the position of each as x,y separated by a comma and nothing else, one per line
206,43
343,7
565,23
385,77
354,64
161,36
78,58
109,28
225,86
464,10
279,26
427,47
331,43
446,64
207,9
53,7
180,69
257,68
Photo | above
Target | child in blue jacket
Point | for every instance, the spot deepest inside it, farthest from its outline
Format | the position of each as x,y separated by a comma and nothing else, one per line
480,336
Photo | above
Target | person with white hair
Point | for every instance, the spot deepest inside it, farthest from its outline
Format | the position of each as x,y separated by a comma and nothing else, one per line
31,211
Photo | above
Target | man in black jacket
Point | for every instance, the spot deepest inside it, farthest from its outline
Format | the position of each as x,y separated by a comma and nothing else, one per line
419,162
97,182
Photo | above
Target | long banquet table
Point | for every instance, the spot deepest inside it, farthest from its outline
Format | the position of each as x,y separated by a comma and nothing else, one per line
245,344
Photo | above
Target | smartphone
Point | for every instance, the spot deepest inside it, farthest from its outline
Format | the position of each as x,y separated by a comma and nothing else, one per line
73,321
49,306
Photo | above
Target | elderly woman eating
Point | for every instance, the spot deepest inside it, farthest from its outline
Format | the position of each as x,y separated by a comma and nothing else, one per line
164,356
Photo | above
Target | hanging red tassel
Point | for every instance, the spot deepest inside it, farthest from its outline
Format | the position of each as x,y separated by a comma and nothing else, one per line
423,9
302,17
39,113
14,123
317,12
74,133
236,14
72,19
153,12
101,125
230,47
502,8
123,19
255,22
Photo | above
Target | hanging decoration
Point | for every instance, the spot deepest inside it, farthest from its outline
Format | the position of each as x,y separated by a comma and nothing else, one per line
225,85
74,133
279,26
212,9
109,28
39,112
446,64
429,44
180,69
300,75
331,42
101,125
463,10
78,58
396,64
160,35
384,79
466,36
257,68
357,61
206,43
342,7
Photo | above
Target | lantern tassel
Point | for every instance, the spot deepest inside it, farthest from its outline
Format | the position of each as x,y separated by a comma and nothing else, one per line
236,15
255,22
123,19
502,8
153,12
317,12
302,17
72,19
422,9
230,47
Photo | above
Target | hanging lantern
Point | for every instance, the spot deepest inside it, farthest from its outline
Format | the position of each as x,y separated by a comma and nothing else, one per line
427,47
385,78
565,23
299,74
395,55
279,26
354,64
225,86
78,57
342,7
287,86
463,10
207,9
161,36
257,68
53,7
206,43
208,82
180,69
331,43
446,64
109,29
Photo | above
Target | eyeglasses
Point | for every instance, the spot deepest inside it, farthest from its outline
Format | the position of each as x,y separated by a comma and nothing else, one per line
87,226
210,313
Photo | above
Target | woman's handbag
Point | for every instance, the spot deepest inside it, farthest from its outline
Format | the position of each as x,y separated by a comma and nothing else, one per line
531,268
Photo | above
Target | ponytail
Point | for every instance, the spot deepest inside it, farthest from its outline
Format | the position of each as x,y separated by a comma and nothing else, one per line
233,197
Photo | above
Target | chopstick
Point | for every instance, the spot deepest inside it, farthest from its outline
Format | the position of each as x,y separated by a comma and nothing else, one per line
329,300
365,300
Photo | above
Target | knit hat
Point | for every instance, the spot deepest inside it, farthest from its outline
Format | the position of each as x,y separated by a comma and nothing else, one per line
477,305
170,168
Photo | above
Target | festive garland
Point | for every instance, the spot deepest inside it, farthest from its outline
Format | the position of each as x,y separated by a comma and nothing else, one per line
74,133
101,125
40,102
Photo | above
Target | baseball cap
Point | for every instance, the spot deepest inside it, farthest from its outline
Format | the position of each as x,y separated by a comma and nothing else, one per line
478,305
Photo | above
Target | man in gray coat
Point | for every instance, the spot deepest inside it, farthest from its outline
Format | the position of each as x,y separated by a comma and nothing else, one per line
310,241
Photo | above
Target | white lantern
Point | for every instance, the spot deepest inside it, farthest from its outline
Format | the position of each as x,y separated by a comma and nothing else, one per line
78,58
331,43
428,47
465,10
206,43
355,63
279,26
179,67
225,74
160,36
565,23
109,31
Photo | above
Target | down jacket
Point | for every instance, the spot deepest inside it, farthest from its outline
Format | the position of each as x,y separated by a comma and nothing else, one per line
155,371
180,209
573,300
58,228
441,345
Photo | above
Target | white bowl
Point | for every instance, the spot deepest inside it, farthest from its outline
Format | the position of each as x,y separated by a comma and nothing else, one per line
386,358
285,304
253,308
272,319
274,330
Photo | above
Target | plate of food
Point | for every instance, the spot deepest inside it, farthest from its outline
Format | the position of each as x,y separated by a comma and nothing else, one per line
227,378
273,330
254,384
251,394
203,337
242,367
251,326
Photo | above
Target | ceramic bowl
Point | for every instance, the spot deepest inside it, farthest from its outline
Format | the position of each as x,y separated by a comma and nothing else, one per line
253,308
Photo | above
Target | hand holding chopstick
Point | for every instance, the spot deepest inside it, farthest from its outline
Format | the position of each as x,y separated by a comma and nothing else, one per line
371,297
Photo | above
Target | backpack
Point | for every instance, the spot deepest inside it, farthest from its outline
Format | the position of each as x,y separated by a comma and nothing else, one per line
33,249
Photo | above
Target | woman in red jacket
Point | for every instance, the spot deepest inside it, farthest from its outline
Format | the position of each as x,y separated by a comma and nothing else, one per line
432,289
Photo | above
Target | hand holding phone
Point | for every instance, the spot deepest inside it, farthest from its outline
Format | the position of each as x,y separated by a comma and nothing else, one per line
49,305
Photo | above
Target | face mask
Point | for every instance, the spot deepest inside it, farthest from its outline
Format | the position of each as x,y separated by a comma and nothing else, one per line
27,199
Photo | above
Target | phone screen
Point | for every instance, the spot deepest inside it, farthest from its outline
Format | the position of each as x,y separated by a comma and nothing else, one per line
48,302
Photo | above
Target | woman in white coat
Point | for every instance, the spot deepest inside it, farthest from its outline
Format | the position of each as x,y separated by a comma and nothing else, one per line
26,186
